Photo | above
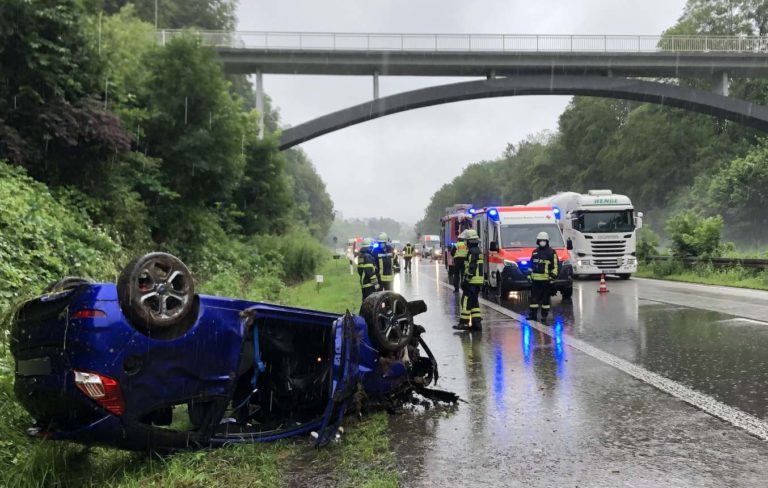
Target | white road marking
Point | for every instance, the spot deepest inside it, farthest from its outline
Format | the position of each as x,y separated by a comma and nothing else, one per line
755,426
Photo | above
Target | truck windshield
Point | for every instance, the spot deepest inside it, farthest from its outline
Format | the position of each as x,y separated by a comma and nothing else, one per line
524,235
613,221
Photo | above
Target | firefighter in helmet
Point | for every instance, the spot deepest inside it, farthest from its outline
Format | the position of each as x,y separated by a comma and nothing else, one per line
543,272
459,251
366,268
384,266
471,284
408,256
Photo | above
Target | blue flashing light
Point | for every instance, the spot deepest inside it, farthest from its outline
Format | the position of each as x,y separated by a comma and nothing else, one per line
556,211
524,262
493,214
471,211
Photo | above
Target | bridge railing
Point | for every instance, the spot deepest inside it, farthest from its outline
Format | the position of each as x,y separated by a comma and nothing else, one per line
321,41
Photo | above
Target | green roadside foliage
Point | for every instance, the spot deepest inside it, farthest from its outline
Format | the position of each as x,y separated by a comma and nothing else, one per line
704,274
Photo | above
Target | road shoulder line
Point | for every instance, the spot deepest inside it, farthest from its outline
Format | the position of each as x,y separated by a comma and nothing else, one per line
738,418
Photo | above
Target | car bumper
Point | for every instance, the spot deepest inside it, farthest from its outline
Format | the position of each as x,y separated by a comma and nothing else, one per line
584,269
515,279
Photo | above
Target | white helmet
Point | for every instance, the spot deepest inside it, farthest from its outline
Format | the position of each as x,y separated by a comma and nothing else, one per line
463,234
543,236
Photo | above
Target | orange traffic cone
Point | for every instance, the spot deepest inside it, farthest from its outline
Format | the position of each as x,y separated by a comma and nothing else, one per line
603,287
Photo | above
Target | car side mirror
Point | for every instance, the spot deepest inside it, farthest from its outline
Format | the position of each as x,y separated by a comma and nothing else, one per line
494,247
416,307
569,244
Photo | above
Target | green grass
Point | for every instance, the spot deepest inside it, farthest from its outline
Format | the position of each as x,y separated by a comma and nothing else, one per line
338,292
362,458
706,275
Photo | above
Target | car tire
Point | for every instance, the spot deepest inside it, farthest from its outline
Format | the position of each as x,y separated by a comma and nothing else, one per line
566,293
390,323
625,276
66,284
157,295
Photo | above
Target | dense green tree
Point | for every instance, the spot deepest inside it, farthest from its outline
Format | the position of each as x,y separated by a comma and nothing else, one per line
179,14
313,207
51,118
196,127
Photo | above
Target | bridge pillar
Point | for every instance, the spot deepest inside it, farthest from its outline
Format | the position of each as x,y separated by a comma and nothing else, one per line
720,83
375,84
260,101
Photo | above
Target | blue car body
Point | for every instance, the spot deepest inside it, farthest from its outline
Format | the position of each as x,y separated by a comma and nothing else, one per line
82,331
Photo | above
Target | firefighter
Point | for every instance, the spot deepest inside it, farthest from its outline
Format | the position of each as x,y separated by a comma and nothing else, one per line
384,268
408,256
366,268
472,281
543,272
460,251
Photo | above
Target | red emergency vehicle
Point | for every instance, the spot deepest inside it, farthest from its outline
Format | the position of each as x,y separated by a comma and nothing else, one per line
508,238
457,218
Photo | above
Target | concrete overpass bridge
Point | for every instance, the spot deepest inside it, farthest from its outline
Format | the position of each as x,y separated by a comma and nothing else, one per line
594,65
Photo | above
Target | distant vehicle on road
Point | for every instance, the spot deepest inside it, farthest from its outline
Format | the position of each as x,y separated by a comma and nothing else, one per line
508,238
430,246
602,228
147,363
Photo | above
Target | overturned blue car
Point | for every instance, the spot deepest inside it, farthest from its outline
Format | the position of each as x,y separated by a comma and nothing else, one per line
147,363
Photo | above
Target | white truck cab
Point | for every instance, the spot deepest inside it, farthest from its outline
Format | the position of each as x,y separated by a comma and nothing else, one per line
602,228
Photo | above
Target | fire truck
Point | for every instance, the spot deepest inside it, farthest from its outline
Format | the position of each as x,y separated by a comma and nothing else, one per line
457,219
508,238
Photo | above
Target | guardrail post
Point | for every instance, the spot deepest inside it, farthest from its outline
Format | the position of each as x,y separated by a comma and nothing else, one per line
571,43
334,41
163,37
301,43
470,42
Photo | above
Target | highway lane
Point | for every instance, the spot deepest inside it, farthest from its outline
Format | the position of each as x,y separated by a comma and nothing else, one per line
541,411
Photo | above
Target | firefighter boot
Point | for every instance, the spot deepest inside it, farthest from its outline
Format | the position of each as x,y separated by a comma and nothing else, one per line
533,314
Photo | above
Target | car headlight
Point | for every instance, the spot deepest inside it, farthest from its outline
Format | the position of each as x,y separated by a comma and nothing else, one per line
507,262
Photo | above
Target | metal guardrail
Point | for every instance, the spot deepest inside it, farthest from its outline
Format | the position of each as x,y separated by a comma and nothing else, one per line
325,41
719,262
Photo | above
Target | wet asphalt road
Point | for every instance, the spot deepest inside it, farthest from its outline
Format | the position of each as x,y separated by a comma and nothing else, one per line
541,412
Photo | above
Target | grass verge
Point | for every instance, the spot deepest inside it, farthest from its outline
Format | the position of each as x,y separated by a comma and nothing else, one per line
737,277
362,458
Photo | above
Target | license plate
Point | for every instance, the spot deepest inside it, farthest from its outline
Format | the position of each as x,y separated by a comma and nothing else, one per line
609,270
34,367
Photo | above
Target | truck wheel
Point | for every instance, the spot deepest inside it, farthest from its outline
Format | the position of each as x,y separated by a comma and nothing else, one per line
390,324
625,276
157,295
566,293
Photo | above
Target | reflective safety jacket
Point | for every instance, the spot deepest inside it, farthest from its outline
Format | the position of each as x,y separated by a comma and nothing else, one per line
473,266
461,250
408,251
544,264
384,267
366,268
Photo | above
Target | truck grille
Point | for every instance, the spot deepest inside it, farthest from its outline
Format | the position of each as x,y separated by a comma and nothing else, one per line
608,254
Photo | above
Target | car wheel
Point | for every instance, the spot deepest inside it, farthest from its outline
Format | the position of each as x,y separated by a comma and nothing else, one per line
567,293
390,324
66,284
624,276
157,295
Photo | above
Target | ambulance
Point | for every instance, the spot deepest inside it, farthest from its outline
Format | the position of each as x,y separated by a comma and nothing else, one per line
508,238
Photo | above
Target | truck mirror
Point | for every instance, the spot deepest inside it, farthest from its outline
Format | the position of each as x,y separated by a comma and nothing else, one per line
639,220
494,247
569,244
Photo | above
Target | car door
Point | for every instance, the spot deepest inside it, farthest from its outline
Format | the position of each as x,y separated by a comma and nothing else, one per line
346,375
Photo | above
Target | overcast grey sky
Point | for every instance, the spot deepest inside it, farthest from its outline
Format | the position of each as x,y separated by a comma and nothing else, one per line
390,167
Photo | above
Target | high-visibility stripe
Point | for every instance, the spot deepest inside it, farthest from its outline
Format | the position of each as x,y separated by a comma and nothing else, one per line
534,305
545,307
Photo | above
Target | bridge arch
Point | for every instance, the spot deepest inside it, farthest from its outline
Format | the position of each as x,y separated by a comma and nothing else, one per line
740,111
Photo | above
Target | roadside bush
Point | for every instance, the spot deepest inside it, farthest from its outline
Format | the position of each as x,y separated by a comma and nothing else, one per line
302,254
647,245
43,240
694,236
662,269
